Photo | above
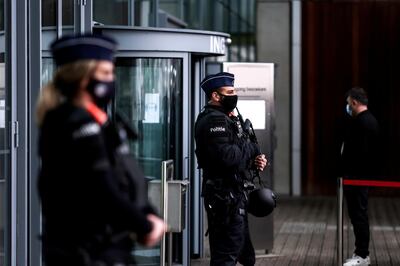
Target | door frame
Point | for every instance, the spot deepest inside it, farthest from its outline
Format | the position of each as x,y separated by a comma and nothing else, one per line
186,130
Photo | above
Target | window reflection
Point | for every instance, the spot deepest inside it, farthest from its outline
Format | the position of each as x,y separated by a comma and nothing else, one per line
48,69
150,96
112,12
1,15
4,160
234,17
149,93
123,12
49,12
173,7
4,141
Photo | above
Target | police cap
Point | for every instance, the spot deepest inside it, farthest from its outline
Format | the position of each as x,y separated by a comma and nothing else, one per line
212,82
71,48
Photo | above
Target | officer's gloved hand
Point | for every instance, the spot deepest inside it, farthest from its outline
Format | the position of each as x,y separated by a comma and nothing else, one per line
260,162
158,229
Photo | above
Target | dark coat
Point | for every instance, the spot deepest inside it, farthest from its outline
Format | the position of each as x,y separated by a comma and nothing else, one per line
88,185
360,156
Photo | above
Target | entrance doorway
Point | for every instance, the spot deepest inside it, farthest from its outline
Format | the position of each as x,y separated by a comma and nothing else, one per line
149,95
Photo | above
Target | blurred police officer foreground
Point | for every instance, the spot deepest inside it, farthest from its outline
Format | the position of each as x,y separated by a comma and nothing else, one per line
226,156
93,196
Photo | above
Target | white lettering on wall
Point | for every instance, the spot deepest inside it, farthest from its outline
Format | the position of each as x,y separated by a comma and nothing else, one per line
217,44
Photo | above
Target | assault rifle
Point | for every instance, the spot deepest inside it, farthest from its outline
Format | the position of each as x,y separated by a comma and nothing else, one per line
262,201
248,130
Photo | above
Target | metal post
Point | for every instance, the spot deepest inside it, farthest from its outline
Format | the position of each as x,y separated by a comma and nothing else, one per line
170,249
59,23
339,228
165,166
170,177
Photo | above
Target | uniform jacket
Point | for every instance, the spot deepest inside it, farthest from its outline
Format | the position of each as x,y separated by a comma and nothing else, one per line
88,185
221,149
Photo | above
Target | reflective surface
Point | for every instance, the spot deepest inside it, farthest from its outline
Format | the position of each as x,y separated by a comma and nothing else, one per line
149,94
123,12
49,13
48,70
173,7
4,143
236,17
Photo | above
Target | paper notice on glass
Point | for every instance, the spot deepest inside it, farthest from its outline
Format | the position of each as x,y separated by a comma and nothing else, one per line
2,114
254,110
152,108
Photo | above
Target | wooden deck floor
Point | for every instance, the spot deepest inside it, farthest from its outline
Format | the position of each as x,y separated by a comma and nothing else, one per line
305,233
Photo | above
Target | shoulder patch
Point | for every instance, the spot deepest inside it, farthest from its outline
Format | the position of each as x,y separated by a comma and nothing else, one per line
86,130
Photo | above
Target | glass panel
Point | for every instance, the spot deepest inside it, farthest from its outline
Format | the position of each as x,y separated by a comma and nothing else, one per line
48,69
113,12
143,13
4,142
123,12
173,7
4,157
49,13
150,95
67,16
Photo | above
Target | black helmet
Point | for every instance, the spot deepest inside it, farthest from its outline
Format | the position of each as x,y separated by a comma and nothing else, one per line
262,202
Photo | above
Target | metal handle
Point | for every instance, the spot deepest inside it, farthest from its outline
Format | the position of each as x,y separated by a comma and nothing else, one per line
339,228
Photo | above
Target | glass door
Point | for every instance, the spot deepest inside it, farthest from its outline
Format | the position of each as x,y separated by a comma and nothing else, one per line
150,95
5,152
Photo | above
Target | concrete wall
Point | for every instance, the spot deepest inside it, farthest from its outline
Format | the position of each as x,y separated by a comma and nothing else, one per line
273,46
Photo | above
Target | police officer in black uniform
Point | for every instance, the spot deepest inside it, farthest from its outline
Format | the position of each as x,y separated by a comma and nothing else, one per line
93,197
225,155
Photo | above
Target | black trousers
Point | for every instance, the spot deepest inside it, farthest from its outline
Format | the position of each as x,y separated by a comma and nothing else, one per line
357,204
229,239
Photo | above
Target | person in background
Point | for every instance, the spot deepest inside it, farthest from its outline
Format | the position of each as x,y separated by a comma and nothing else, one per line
358,157
92,192
226,156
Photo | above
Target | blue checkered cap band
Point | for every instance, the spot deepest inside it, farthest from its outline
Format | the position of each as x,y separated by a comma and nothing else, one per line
212,82
72,48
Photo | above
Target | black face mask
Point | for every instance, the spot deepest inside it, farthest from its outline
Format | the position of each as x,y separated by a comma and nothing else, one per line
101,91
228,102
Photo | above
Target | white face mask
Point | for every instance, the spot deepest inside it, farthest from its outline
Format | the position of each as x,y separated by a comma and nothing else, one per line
349,110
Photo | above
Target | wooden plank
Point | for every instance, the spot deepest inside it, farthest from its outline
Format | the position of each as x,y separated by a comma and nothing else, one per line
328,252
389,231
382,255
303,245
372,220
294,231
314,252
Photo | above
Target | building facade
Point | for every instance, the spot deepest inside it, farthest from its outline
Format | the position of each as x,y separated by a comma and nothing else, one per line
159,64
